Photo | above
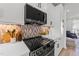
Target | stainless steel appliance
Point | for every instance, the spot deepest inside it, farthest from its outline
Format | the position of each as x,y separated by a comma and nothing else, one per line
40,46
33,15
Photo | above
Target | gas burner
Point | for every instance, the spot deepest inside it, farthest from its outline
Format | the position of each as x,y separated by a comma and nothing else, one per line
39,45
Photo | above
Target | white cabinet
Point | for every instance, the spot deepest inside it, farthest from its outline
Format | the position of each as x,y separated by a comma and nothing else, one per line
58,46
33,4
40,6
56,51
12,13
44,7
58,18
50,14
55,15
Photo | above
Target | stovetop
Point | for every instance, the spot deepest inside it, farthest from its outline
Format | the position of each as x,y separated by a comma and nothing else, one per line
36,42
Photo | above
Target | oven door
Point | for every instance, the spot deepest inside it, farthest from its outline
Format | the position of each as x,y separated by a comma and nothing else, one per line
51,53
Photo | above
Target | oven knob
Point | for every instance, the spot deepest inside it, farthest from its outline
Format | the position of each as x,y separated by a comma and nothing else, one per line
34,54
37,53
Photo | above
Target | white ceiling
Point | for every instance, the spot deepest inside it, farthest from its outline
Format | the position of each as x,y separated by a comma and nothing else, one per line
72,10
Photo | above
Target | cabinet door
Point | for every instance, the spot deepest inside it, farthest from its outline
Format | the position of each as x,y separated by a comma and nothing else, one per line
12,13
60,45
50,14
44,7
33,4
57,19
57,48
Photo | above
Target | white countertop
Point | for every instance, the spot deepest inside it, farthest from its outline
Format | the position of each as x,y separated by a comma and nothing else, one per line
14,49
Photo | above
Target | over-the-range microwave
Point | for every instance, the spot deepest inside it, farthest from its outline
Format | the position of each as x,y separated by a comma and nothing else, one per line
33,15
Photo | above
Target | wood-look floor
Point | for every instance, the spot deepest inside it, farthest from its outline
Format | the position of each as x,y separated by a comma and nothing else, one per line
71,51
68,52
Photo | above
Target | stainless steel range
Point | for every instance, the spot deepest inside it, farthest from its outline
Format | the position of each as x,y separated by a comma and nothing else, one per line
40,46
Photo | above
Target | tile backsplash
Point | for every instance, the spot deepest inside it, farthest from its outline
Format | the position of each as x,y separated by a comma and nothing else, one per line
21,32
30,30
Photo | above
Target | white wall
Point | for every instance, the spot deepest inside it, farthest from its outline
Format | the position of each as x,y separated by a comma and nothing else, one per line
76,26
76,23
69,24
72,10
